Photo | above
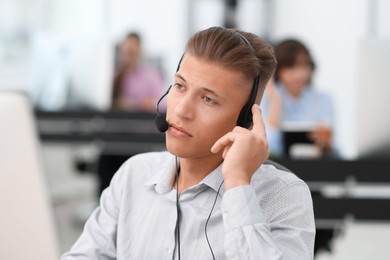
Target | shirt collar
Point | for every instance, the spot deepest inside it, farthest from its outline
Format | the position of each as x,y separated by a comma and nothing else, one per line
164,178
214,180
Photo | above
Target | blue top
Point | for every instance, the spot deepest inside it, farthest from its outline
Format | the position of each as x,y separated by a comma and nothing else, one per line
312,107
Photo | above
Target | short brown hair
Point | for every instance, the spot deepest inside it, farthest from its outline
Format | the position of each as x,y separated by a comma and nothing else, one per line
287,52
226,47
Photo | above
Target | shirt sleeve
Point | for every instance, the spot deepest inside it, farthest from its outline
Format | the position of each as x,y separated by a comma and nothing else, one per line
288,233
98,239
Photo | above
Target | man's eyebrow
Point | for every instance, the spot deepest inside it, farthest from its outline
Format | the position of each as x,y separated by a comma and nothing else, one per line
211,92
178,75
206,89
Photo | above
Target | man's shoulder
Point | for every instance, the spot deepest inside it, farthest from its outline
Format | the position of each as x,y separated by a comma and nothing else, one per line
273,186
269,178
154,158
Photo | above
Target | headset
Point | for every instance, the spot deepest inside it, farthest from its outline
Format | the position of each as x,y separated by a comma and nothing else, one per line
245,118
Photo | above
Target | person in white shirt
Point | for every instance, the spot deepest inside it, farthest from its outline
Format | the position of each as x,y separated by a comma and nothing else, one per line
210,195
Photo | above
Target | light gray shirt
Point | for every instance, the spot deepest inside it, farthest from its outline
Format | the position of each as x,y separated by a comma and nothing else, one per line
270,219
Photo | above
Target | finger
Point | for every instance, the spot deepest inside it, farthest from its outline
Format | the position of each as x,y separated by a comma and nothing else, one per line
225,151
239,129
258,122
225,140
256,116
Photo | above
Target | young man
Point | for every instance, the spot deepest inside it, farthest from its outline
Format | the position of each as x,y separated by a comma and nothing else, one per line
209,196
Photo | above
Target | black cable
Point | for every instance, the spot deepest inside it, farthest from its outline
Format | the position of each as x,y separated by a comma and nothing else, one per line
177,210
208,218
178,213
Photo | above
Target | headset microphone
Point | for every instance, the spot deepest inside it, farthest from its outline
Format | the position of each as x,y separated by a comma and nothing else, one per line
161,123
159,120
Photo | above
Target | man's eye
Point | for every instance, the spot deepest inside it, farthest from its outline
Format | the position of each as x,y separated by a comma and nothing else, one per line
208,100
178,86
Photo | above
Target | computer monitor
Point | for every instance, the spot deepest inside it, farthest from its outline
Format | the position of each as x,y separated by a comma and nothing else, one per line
75,75
373,102
296,141
27,229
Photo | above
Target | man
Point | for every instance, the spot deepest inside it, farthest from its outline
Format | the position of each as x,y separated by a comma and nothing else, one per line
209,196
137,86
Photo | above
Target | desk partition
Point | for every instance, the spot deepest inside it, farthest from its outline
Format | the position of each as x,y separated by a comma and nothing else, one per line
341,189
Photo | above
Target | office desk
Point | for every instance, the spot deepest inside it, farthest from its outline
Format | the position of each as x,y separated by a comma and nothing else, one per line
341,189
115,131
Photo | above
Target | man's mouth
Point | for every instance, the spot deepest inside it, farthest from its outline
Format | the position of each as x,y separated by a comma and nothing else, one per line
179,130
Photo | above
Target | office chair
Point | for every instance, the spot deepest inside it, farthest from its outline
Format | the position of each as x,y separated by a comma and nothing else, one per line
277,165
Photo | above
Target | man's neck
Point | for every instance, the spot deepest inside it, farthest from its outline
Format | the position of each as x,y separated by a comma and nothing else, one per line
194,170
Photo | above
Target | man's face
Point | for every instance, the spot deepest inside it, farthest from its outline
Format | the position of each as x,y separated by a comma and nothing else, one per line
203,105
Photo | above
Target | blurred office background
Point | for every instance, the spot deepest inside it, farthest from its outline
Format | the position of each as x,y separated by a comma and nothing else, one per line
62,54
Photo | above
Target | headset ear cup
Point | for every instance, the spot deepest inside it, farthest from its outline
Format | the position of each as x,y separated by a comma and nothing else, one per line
245,117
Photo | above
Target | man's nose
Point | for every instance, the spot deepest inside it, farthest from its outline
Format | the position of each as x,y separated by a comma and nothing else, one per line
185,107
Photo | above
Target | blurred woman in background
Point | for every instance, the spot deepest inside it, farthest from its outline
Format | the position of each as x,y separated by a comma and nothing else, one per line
290,98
